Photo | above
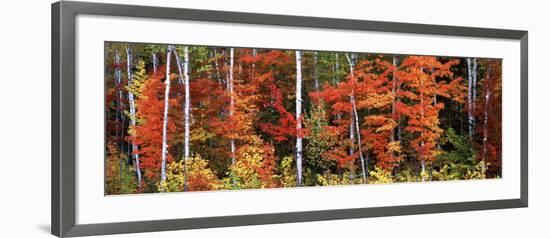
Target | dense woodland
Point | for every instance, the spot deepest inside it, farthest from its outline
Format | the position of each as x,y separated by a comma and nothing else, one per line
190,118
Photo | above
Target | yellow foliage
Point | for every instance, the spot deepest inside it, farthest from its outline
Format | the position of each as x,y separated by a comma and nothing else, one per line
329,179
200,135
253,168
394,146
288,172
379,175
196,176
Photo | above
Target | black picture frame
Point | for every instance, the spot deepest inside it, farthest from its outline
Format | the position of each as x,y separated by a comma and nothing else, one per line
64,107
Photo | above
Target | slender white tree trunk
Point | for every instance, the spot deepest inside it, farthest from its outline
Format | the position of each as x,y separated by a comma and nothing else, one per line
132,113
232,101
187,105
118,132
315,71
474,91
352,118
395,90
298,118
165,120
355,122
485,128
184,80
422,156
155,61
118,80
470,109
335,77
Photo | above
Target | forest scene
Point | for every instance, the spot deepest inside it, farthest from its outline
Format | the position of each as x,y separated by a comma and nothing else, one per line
197,118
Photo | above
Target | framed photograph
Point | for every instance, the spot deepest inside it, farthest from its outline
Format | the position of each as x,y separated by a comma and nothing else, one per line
167,119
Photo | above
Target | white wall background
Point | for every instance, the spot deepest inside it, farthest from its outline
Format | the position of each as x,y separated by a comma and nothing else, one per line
25,117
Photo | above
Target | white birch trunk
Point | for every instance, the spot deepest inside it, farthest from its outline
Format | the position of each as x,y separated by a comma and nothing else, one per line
232,101
132,113
118,80
395,90
165,120
298,118
474,91
155,61
184,80
470,111
118,133
187,105
315,71
351,118
355,122
485,128
335,77
422,156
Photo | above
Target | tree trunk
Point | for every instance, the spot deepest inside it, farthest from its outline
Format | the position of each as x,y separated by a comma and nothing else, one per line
335,77
354,124
315,71
298,118
470,109
232,101
422,157
184,80
187,105
165,120
395,90
132,113
474,92
118,133
155,61
485,126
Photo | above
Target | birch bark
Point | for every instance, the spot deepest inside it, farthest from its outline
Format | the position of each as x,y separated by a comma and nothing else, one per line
298,118
132,113
165,120
232,100
355,121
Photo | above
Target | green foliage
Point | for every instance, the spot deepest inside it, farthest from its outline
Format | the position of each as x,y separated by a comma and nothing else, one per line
330,179
288,171
121,178
405,175
458,160
319,140
460,149
454,171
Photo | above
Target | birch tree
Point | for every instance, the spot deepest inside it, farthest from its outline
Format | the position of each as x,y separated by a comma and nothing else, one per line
354,120
183,71
184,80
231,101
119,130
165,120
155,61
395,90
472,82
298,118
315,71
132,113
486,124
118,116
